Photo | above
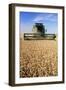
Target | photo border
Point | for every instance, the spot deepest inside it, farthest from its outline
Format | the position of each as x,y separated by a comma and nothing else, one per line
12,43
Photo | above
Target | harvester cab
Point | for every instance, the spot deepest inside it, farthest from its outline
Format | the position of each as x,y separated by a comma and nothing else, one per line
39,33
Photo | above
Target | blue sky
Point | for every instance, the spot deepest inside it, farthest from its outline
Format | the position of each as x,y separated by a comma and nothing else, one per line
28,19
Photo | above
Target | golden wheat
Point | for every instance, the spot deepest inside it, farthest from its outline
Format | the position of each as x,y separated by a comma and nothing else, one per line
38,58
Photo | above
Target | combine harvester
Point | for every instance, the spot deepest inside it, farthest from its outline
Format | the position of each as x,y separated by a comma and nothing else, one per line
39,33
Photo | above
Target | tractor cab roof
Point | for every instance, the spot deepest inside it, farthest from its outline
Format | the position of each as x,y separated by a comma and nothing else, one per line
39,24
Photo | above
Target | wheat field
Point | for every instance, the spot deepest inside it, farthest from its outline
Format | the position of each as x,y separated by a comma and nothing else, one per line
38,58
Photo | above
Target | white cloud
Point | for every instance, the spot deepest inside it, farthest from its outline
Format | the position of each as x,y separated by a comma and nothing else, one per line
49,17
38,18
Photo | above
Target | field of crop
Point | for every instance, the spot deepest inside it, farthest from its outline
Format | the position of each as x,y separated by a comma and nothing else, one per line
38,58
